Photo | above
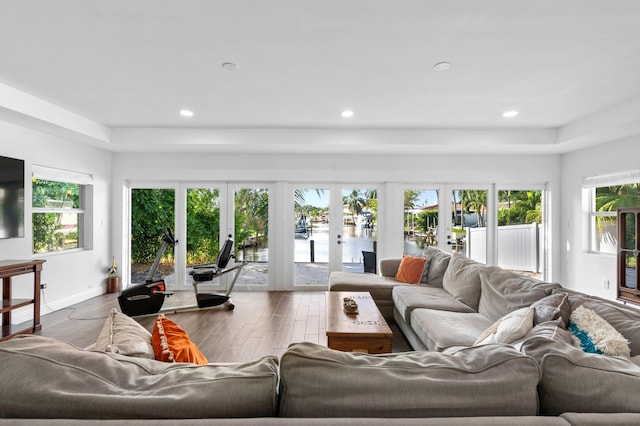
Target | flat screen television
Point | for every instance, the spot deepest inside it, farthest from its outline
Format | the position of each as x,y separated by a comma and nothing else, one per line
11,198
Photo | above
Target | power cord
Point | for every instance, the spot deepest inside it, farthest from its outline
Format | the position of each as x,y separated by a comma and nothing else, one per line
44,302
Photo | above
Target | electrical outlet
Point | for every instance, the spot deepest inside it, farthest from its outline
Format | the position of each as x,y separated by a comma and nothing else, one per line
43,286
606,283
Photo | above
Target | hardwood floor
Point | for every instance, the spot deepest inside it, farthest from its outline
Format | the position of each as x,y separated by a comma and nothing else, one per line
262,323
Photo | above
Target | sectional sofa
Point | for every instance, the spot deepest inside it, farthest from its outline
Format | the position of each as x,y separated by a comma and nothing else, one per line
462,371
45,381
460,301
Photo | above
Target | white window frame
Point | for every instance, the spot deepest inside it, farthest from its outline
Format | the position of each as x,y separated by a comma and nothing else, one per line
590,185
84,212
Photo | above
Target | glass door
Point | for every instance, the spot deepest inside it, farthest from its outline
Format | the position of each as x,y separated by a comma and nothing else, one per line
520,230
219,211
466,232
251,231
203,229
152,213
200,217
333,227
359,232
312,217
420,219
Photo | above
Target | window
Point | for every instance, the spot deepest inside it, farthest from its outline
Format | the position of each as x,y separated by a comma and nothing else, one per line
59,215
607,194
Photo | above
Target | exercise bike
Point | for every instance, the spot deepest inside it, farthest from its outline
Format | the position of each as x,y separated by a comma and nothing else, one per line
147,298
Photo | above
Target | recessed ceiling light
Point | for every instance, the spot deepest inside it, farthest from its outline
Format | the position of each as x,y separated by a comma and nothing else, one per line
230,66
186,113
509,114
347,113
442,66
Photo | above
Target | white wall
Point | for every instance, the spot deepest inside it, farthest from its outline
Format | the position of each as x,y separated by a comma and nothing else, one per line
71,277
580,269
390,171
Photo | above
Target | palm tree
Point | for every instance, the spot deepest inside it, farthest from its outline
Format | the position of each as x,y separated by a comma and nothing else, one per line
475,201
354,203
611,198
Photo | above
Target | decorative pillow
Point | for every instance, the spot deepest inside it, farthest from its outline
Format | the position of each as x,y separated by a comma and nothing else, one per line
593,334
410,269
172,344
462,281
425,272
555,306
504,291
508,329
122,334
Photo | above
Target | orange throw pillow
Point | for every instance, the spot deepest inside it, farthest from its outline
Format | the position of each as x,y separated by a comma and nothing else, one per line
410,269
172,344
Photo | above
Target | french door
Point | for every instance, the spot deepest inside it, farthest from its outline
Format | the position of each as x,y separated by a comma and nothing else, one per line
201,216
332,225
502,225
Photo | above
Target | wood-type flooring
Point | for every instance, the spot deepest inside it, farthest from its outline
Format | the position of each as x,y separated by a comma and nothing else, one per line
262,323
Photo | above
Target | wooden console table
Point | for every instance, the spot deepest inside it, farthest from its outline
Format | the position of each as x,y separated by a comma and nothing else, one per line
9,269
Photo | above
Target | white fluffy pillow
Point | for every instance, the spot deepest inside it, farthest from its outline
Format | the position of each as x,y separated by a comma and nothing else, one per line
123,335
593,334
511,327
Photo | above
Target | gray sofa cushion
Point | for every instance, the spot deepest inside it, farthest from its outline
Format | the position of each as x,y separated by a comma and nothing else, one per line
439,330
379,287
575,381
408,298
489,380
438,263
504,291
324,421
599,419
556,306
462,280
46,378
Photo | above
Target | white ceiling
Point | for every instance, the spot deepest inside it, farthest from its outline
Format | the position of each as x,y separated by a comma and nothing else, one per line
563,64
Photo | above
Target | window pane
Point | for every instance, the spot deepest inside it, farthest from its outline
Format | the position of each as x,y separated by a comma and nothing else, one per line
611,198
203,225
55,231
420,212
359,227
604,232
152,212
49,194
519,236
608,199
251,210
56,216
469,216
311,235
630,270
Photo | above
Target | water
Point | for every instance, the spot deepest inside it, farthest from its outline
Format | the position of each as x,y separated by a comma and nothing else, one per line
355,240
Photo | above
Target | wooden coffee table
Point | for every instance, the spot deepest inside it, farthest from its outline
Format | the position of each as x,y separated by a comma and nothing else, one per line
367,331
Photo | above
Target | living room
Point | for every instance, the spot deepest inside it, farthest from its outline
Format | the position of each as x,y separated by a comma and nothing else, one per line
436,95
556,155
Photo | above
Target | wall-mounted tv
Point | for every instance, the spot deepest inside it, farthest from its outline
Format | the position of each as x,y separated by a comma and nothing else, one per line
11,197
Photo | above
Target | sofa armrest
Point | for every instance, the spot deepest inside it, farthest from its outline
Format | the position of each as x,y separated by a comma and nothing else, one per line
388,267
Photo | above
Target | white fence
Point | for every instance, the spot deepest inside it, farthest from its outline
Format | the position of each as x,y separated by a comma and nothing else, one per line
518,246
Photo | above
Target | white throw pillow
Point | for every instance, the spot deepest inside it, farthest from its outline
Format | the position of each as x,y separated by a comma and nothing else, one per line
593,334
122,334
511,327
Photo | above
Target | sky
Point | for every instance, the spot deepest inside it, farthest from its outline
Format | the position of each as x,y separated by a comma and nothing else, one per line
427,197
